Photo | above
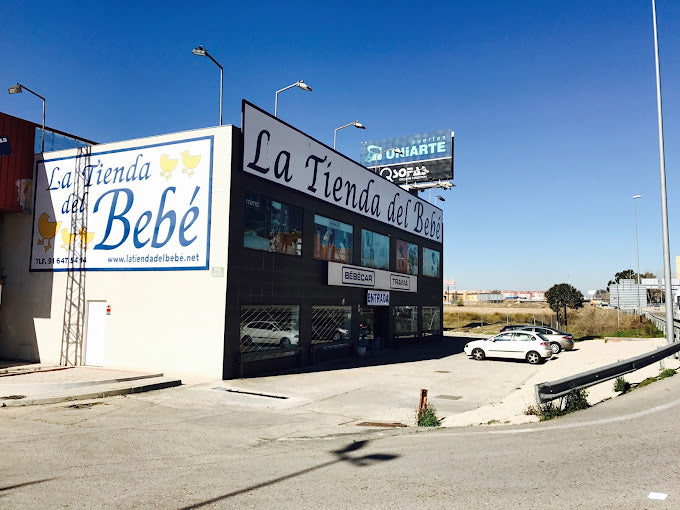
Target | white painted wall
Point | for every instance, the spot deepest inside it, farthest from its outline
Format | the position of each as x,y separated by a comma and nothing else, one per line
160,321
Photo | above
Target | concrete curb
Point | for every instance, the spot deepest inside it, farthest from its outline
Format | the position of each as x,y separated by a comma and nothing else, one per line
98,391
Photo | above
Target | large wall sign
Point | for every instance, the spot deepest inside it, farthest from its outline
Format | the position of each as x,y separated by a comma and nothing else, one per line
425,157
148,208
346,275
280,153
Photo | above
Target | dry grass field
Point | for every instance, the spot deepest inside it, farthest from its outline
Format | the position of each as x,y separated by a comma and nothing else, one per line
587,322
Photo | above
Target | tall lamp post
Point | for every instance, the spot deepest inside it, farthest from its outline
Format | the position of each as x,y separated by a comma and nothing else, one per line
18,89
670,333
202,52
637,252
300,83
356,124
396,150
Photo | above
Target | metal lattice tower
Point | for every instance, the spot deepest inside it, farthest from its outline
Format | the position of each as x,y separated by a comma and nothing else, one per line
76,237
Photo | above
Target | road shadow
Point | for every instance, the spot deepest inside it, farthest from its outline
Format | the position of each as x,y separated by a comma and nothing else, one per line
436,349
341,455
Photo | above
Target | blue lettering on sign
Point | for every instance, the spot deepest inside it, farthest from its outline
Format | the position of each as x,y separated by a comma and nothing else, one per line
166,220
377,298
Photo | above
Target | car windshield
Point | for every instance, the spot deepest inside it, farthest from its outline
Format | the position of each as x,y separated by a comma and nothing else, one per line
542,337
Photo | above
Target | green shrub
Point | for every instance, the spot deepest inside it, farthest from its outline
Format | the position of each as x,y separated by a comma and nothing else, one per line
621,385
572,401
575,400
669,372
647,381
427,416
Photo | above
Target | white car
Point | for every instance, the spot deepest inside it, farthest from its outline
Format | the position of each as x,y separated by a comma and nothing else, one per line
268,332
532,347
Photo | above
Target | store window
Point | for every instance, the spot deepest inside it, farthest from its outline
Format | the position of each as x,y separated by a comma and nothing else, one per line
432,320
272,226
269,327
375,250
406,321
406,257
431,263
332,240
331,324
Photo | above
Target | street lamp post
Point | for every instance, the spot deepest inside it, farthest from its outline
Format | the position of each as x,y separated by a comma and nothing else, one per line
396,150
670,333
300,83
18,89
637,252
202,52
356,124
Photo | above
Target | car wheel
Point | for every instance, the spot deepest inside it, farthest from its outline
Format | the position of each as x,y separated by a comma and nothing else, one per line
337,336
533,357
478,354
285,343
246,341
555,347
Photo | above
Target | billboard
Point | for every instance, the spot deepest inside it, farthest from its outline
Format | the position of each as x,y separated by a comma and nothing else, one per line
424,157
279,153
148,207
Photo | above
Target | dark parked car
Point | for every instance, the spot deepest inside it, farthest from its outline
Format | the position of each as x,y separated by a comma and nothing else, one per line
512,327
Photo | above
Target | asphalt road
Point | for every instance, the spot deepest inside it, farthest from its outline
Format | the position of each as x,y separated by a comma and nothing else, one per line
134,452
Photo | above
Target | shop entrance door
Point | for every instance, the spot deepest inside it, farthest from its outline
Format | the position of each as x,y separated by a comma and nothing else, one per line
96,333
367,315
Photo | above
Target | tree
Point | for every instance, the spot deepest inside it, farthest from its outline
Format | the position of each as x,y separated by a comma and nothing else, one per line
562,296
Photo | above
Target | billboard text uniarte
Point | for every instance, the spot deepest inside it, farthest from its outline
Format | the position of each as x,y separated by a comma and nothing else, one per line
421,158
279,153
147,208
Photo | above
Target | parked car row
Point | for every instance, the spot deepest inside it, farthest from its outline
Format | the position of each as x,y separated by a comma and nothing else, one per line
535,344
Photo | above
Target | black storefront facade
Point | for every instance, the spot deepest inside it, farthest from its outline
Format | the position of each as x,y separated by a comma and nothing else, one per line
297,208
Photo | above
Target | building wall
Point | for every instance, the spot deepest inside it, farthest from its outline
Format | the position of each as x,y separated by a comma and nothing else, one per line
171,321
265,278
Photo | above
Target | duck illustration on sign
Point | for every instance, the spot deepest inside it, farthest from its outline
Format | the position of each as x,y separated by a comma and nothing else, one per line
48,229
67,238
167,166
190,162
85,237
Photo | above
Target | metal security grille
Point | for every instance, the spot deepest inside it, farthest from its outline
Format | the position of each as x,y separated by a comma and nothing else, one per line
269,327
405,320
331,324
432,319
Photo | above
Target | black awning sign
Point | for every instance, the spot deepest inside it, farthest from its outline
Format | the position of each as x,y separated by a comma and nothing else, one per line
5,149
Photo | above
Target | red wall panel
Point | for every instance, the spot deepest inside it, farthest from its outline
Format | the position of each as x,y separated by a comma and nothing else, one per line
19,164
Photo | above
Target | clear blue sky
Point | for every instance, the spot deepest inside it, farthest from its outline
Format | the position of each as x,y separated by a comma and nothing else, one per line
553,105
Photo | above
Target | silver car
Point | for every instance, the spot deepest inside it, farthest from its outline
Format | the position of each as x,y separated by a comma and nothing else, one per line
526,345
558,339
268,332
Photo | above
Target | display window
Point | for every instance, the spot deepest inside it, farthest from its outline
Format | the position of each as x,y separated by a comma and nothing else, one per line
406,257
331,324
332,240
267,327
406,320
272,226
432,319
431,263
375,250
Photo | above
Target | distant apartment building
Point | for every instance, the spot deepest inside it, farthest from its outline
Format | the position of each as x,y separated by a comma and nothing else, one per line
486,296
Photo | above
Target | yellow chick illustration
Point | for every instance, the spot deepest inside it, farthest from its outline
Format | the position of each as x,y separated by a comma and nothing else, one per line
48,229
190,162
85,237
67,238
167,166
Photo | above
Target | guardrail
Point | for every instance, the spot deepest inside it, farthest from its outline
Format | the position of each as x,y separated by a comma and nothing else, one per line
548,391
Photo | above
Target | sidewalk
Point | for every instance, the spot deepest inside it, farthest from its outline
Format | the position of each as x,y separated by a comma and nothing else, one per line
380,389
22,385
